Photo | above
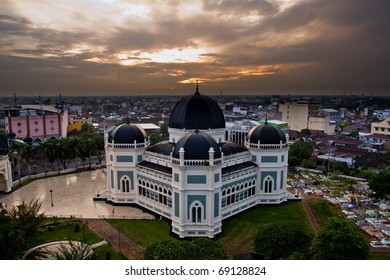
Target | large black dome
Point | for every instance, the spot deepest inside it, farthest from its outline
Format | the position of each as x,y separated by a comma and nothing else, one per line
196,145
197,112
266,134
127,134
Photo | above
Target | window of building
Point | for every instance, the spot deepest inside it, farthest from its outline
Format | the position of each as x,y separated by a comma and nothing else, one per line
125,183
268,185
196,213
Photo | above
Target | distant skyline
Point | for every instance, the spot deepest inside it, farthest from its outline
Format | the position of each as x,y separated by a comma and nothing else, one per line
136,47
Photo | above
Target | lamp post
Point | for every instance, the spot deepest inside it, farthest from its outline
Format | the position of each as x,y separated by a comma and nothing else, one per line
51,196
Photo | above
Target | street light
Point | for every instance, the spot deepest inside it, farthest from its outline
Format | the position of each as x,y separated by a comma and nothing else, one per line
51,196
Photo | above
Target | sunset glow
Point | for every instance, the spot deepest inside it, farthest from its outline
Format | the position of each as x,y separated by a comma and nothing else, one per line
133,45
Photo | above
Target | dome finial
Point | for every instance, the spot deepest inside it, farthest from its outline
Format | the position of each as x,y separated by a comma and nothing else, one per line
197,87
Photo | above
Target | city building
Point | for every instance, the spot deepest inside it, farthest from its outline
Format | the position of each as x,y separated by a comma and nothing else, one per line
322,123
382,127
297,113
39,122
197,178
280,124
75,122
334,115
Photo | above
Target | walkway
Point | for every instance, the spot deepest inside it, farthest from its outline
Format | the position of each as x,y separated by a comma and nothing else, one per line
310,216
117,239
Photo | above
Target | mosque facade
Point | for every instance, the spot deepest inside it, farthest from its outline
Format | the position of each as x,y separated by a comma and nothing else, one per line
197,178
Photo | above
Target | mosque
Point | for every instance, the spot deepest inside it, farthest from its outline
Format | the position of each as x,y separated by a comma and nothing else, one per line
197,178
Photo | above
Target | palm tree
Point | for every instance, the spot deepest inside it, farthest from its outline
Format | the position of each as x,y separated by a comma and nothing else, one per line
16,153
44,149
90,150
75,145
65,152
26,155
99,139
54,152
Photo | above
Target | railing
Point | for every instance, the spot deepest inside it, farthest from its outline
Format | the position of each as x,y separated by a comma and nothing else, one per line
200,162
266,146
128,146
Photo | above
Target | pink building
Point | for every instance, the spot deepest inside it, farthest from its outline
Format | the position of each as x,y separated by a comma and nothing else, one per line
36,121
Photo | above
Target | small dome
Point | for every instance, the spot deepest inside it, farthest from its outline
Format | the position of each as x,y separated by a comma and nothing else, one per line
197,112
196,145
266,134
127,134
28,140
163,147
230,148
11,135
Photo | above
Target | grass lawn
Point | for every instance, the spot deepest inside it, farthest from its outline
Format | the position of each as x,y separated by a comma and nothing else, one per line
64,229
144,232
238,232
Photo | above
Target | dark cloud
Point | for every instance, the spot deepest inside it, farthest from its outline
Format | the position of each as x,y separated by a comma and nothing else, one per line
312,46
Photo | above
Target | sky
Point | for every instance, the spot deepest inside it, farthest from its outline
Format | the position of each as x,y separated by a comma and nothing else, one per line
79,47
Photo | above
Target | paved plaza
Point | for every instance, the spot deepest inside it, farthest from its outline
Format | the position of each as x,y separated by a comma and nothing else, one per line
72,194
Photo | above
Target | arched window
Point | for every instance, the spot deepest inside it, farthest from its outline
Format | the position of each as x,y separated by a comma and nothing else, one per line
268,182
196,213
125,183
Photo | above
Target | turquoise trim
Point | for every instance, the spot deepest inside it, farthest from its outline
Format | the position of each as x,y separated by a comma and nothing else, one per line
216,178
196,179
281,179
216,205
139,158
112,179
269,159
191,199
254,158
176,177
283,158
120,174
124,158
177,205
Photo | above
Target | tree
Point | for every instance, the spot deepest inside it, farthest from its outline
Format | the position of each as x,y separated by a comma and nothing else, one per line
16,153
90,149
164,129
155,138
73,250
280,240
309,164
26,155
99,140
44,150
299,151
75,145
26,217
339,240
12,242
380,184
